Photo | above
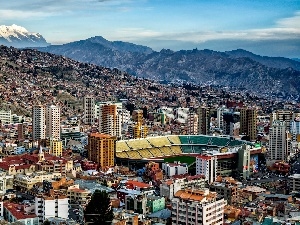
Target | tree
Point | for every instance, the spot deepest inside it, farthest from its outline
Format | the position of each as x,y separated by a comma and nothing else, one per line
46,222
99,210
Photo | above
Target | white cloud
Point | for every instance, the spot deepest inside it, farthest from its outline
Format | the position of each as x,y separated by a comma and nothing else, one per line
129,34
8,14
284,29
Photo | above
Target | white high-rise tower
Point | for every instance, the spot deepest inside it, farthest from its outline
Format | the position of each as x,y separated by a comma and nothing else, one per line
278,141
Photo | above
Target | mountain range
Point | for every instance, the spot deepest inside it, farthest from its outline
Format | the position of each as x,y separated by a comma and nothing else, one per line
19,37
268,76
238,68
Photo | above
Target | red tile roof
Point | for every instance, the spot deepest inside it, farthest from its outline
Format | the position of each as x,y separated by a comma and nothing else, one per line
17,211
137,184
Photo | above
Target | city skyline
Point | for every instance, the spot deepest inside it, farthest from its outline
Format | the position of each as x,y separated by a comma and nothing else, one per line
263,27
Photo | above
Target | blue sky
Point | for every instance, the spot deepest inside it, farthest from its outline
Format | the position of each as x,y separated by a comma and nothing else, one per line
264,27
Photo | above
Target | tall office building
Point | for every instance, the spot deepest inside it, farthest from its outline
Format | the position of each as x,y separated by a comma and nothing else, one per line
283,116
101,149
192,123
109,121
38,122
203,120
53,122
89,110
248,122
278,146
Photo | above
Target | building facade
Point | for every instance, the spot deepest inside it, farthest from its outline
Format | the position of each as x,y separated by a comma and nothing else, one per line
278,141
203,120
38,122
101,149
53,122
248,122
5,116
195,207
109,122
192,123
56,147
51,205
207,166
89,110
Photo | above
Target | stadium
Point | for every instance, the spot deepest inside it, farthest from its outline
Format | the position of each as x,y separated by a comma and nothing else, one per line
184,148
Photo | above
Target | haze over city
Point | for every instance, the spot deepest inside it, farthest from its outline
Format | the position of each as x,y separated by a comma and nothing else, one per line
264,27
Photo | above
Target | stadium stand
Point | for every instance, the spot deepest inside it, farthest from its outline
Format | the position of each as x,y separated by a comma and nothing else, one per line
122,155
166,150
219,141
134,155
138,144
156,152
235,143
176,149
121,146
159,141
201,140
174,139
172,145
195,139
184,139
145,153
187,148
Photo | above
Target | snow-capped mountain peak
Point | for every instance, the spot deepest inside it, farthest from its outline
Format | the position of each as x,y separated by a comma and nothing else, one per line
18,36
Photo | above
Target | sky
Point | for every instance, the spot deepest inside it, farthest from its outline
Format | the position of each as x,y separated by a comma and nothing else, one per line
265,27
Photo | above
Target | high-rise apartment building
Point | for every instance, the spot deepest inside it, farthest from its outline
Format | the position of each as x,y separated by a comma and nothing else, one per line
207,165
21,131
5,116
101,149
192,123
137,116
194,206
283,116
278,149
56,147
203,120
53,122
248,122
109,121
89,110
139,131
38,122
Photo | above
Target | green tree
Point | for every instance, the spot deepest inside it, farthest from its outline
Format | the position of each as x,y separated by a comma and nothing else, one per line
46,222
99,210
